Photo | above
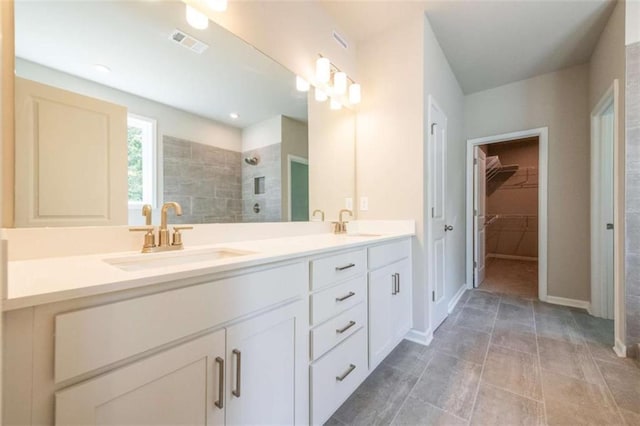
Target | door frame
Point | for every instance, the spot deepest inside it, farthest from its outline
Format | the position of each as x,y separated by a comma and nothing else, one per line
543,199
292,159
610,97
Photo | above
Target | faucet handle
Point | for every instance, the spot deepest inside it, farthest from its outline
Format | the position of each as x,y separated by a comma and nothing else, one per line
149,238
177,236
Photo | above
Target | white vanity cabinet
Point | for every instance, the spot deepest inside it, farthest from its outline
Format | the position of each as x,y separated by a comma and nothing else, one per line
390,287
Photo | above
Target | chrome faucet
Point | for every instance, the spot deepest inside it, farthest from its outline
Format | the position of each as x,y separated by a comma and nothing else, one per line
164,241
318,211
340,227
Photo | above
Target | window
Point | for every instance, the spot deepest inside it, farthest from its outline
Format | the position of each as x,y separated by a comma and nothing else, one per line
141,143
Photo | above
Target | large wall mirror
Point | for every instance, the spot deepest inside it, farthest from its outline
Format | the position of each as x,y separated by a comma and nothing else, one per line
122,103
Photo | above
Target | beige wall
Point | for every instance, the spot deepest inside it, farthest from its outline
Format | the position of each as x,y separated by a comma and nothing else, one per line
6,91
295,141
331,157
399,68
558,100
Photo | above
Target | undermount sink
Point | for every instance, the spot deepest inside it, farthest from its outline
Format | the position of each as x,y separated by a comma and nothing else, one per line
141,262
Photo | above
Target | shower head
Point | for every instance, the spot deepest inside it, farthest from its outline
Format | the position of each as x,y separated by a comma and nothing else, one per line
253,161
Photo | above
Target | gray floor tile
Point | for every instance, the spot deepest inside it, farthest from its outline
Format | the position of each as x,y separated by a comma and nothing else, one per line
450,384
548,309
558,328
483,300
501,324
378,399
568,358
567,390
476,319
447,324
509,299
562,413
514,313
462,343
516,340
514,371
334,422
417,412
409,357
630,418
624,382
498,407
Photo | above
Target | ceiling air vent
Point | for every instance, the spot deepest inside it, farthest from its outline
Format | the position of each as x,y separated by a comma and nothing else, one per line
186,41
341,41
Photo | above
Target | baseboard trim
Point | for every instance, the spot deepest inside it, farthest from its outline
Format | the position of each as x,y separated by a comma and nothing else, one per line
574,303
620,349
511,257
456,298
421,337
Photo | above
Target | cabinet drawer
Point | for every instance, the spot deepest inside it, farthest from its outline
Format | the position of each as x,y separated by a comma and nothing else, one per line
334,331
337,267
327,391
336,299
388,253
96,337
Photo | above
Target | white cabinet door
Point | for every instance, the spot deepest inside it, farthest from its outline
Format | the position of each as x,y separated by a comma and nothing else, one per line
401,301
179,386
268,369
381,291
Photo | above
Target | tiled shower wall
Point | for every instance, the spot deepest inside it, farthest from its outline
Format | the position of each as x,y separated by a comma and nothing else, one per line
269,167
632,237
205,180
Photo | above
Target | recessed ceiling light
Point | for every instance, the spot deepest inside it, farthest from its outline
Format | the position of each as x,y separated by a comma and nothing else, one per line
234,115
102,68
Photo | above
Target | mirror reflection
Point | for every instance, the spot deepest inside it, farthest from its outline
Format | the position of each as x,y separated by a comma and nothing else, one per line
121,104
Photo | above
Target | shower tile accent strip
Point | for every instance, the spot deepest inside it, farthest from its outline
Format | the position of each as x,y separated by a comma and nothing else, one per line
632,214
204,179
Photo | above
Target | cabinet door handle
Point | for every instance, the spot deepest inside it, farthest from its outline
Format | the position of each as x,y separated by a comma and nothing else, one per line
397,282
346,373
342,268
393,285
346,327
238,356
340,299
220,402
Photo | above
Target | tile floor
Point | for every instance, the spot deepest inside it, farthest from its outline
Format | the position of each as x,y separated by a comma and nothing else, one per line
507,276
502,360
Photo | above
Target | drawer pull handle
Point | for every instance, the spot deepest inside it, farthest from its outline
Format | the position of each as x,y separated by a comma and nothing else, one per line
342,268
394,285
220,402
397,282
346,373
346,327
340,299
236,391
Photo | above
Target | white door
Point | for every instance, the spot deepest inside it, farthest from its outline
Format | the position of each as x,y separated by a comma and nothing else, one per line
607,212
179,386
438,227
382,287
401,301
85,186
479,207
261,375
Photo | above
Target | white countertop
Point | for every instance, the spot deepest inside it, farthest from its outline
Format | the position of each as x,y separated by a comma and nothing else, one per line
48,280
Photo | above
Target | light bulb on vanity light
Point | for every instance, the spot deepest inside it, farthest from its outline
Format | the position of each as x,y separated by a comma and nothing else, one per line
323,70
197,19
335,105
217,5
355,94
302,85
340,83
320,95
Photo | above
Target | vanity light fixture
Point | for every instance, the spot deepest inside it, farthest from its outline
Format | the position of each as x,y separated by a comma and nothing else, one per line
234,115
102,68
320,95
335,105
217,5
302,85
323,70
355,94
197,19
340,83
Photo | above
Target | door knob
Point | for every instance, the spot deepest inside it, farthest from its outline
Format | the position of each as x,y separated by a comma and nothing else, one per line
448,228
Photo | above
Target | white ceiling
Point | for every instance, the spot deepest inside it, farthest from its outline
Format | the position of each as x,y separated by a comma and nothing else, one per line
490,43
132,38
